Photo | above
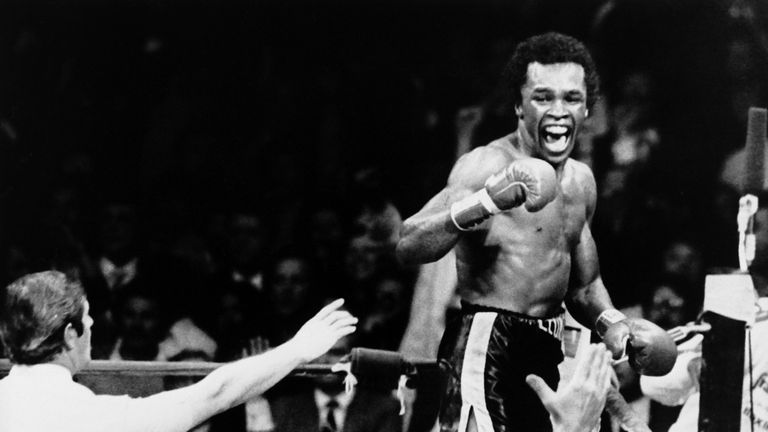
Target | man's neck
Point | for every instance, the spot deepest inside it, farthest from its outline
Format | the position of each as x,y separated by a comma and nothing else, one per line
66,362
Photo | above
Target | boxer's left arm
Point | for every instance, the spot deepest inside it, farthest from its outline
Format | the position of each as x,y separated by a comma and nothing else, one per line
651,350
587,296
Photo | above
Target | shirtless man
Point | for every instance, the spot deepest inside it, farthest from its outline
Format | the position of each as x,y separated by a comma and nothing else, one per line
517,212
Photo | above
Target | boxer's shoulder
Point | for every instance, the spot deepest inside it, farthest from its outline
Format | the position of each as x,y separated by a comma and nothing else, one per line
579,171
579,183
508,147
580,176
473,168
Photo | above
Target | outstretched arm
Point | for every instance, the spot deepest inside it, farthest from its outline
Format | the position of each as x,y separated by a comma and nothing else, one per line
235,383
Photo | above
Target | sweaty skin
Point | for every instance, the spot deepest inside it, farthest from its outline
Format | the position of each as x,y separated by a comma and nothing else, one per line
520,261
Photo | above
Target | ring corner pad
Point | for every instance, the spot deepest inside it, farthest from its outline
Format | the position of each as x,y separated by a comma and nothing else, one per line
730,295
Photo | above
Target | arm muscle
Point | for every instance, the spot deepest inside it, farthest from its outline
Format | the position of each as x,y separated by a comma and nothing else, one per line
430,233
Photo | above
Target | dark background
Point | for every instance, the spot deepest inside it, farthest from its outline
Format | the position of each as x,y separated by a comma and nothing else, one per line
189,108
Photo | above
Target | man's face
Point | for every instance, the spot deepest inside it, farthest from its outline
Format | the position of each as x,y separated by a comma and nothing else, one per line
140,321
118,228
667,308
682,259
553,108
291,286
246,241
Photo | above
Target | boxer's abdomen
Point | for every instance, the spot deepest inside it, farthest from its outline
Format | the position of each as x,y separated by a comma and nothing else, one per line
521,261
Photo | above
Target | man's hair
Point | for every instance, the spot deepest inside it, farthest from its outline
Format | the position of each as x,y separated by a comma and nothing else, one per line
549,48
34,311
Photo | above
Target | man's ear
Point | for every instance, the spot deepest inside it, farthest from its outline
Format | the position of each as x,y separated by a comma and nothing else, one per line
518,111
70,336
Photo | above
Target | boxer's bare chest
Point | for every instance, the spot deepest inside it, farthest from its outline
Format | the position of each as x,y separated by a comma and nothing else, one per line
517,251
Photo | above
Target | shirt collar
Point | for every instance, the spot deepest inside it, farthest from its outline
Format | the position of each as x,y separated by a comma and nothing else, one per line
43,371
115,275
108,267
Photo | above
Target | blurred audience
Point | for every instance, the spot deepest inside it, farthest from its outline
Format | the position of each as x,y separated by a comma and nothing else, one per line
384,324
118,242
141,325
291,293
325,406
235,318
245,250
226,271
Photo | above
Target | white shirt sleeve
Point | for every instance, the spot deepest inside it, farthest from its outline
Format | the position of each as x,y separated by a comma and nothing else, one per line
165,412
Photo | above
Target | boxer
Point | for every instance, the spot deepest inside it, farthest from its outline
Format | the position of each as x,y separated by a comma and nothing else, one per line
517,212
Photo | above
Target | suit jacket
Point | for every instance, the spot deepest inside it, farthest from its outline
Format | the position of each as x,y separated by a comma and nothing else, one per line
367,412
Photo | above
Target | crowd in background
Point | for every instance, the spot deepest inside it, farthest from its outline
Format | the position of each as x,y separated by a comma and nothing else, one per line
217,222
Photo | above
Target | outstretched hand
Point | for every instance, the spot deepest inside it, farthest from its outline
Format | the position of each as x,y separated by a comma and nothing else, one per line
577,405
322,331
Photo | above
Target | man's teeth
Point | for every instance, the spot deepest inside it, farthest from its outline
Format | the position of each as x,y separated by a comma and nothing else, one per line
556,130
556,137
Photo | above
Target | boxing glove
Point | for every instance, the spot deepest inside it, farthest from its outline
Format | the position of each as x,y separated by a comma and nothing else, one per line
525,181
650,349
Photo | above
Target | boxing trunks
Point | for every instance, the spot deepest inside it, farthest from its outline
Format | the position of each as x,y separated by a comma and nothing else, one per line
486,354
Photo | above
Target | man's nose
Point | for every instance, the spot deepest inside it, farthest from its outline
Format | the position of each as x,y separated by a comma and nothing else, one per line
558,109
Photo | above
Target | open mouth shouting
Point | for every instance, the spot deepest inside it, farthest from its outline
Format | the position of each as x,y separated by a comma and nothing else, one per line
555,137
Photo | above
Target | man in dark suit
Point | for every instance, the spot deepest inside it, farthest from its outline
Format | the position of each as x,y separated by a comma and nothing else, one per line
325,406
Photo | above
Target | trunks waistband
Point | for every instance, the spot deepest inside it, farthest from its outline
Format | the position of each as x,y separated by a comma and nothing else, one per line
553,326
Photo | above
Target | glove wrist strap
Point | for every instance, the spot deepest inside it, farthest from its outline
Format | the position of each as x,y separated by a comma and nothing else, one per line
607,319
472,210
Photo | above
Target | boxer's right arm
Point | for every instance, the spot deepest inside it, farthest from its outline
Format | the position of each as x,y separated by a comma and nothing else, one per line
482,183
429,234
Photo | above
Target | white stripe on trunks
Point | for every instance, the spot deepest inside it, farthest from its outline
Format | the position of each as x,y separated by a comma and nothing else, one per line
473,373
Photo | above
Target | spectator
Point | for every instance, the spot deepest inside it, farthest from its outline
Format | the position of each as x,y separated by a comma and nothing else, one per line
384,325
141,325
682,259
681,385
683,267
291,295
118,241
236,317
244,250
325,238
326,407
